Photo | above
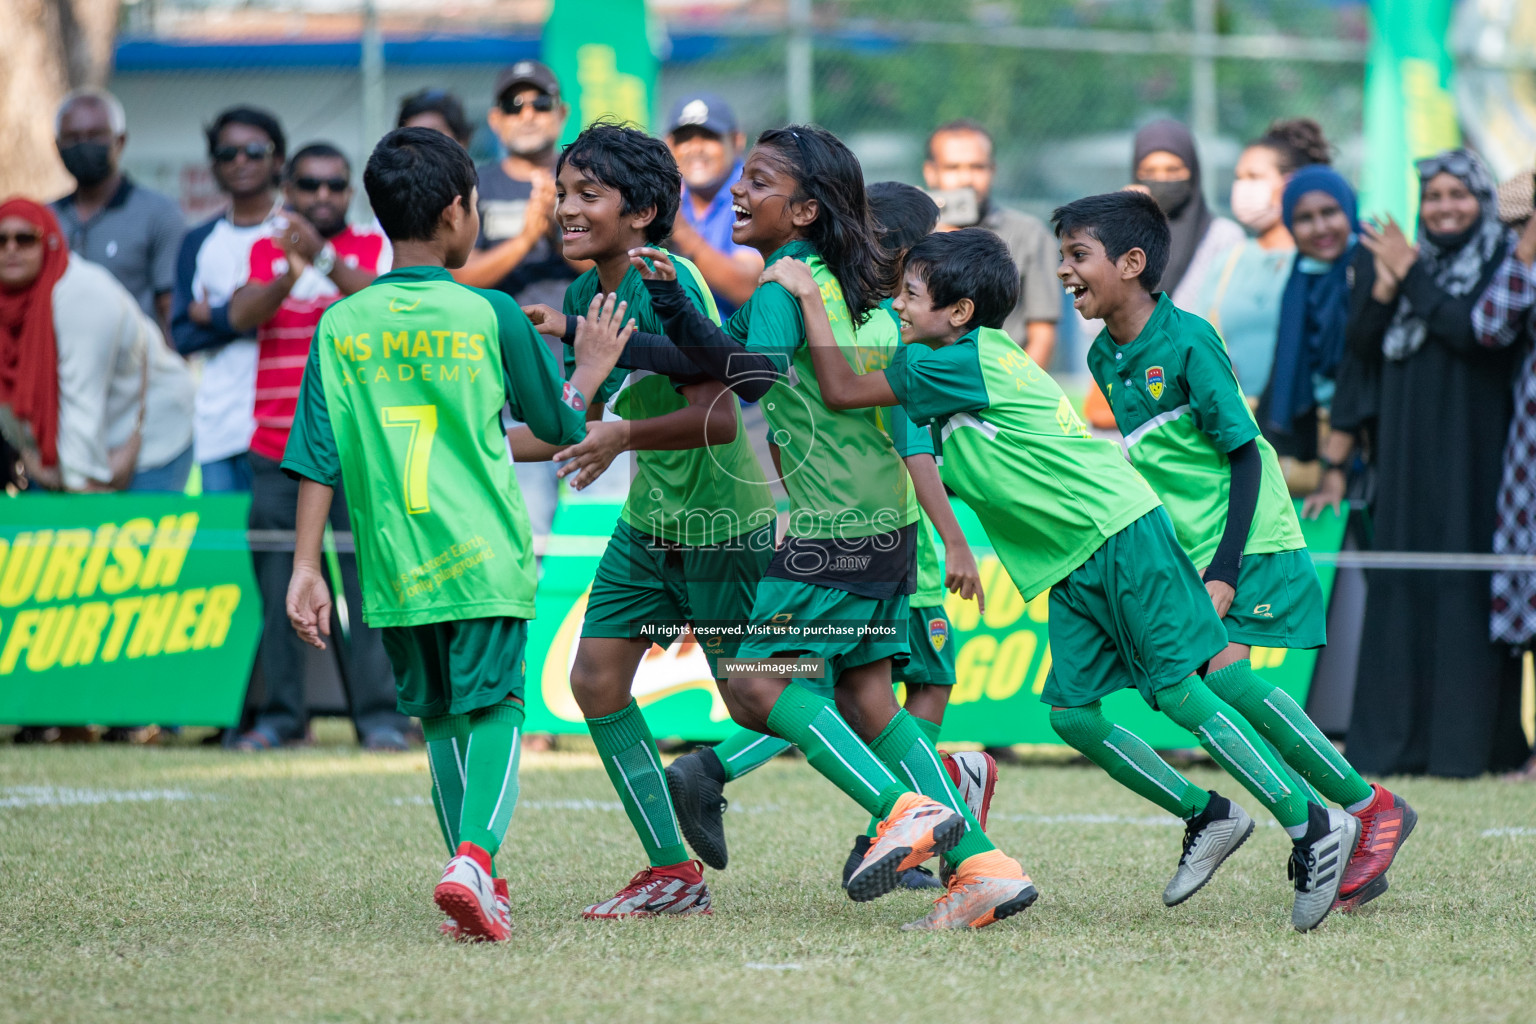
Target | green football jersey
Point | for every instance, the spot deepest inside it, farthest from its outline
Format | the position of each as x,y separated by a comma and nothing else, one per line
694,496
1181,410
841,469
402,400
1012,446
881,337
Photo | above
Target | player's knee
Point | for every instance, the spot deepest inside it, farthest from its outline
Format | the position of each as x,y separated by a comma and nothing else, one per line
1080,727
756,696
596,689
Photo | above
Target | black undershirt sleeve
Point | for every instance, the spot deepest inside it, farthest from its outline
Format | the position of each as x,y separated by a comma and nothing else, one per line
1243,499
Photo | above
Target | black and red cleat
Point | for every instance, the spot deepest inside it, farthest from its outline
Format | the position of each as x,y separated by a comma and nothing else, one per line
1385,825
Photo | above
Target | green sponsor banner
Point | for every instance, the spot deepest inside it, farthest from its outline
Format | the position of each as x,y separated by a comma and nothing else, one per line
601,52
1409,109
1001,658
125,609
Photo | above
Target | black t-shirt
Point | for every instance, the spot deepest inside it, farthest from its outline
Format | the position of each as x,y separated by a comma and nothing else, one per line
543,274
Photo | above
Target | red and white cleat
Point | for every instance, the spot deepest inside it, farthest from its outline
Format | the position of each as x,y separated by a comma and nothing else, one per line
676,890
450,927
467,894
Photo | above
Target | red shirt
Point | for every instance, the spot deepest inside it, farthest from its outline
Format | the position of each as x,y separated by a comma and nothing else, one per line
284,339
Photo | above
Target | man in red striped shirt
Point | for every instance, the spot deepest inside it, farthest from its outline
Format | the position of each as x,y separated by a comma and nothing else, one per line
312,258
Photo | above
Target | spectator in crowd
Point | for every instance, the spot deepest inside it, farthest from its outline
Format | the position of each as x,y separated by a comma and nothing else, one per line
439,110
247,148
311,259
1501,319
109,220
1167,166
1242,298
960,155
707,144
1434,694
89,393
519,250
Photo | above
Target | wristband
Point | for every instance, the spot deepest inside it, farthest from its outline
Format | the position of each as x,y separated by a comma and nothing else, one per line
325,259
1329,465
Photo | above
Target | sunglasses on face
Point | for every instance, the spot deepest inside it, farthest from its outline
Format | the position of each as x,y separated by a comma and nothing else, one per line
1456,163
543,103
252,151
23,239
315,184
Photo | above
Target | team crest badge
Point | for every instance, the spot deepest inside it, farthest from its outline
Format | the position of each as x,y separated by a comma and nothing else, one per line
1155,381
938,633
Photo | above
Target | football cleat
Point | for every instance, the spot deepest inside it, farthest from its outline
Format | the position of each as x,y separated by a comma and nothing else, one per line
467,893
677,890
450,927
1210,837
699,799
917,828
974,773
983,890
1317,864
912,878
1384,826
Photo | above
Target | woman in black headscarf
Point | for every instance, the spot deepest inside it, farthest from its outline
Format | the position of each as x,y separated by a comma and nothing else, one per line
1434,694
1166,165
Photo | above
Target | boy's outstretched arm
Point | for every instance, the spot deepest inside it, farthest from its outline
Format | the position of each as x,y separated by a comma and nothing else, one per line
309,599
961,574
842,387
708,419
1242,499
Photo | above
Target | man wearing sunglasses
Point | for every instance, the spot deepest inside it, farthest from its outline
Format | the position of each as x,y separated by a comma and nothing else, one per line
310,258
246,147
519,250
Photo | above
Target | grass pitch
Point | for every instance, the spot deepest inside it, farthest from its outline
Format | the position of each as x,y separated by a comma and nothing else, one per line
190,885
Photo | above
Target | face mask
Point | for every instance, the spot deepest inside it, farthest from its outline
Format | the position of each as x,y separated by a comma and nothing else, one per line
1254,206
89,163
1170,196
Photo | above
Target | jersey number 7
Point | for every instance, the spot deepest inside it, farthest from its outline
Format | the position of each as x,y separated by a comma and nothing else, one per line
421,421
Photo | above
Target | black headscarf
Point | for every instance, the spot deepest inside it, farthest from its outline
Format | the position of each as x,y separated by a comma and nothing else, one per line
1188,216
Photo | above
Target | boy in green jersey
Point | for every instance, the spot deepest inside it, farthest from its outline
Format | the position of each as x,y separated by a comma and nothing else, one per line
1190,432
902,215
1065,511
838,584
696,532
402,399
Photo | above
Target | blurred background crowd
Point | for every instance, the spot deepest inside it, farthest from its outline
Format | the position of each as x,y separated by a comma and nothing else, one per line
191,204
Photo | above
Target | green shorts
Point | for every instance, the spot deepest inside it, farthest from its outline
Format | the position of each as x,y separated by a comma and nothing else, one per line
1135,614
453,668
820,622
1279,603
931,640
644,584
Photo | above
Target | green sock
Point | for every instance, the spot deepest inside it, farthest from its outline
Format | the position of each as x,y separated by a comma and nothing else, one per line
812,723
1227,736
446,737
1281,720
930,730
1297,782
1128,759
912,759
490,776
633,764
744,750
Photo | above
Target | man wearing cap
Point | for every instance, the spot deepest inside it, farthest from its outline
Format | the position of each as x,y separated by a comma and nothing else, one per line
519,250
707,143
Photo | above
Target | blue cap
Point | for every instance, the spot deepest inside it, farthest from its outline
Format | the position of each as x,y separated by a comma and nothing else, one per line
702,110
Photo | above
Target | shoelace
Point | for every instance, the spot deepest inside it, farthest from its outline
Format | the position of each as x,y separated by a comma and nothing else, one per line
1191,833
1299,870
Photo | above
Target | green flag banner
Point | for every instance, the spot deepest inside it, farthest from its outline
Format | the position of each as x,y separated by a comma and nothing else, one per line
1409,109
125,609
1001,661
601,51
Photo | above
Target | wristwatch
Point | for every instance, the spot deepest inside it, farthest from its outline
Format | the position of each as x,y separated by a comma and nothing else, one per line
1328,465
325,259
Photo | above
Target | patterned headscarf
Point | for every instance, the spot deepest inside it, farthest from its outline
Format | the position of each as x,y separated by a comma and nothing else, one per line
1457,268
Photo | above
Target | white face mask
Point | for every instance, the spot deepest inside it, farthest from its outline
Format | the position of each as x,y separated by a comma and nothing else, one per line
1254,205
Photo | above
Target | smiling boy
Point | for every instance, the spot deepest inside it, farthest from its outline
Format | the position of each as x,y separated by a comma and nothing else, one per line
696,532
1190,432
1064,511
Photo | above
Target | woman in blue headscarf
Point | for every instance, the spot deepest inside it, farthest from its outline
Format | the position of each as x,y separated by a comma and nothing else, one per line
1318,208
1433,694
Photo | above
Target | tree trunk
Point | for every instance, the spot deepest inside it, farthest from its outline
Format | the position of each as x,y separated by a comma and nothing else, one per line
51,47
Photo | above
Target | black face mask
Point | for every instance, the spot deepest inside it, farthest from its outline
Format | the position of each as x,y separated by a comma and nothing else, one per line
89,163
1170,196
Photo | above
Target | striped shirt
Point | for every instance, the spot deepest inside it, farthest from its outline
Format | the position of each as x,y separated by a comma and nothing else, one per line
284,339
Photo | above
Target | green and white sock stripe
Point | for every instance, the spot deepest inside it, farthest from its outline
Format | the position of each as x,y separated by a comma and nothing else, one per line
812,723
445,735
490,775
830,728
1132,750
744,751
902,745
633,764
1128,759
